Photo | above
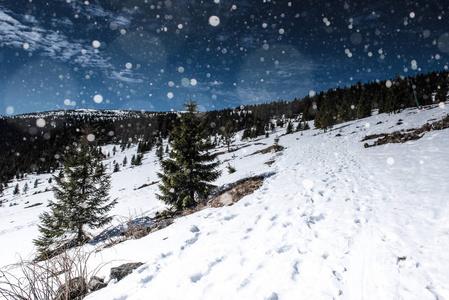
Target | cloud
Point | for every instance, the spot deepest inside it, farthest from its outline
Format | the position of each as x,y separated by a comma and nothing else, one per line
126,76
26,33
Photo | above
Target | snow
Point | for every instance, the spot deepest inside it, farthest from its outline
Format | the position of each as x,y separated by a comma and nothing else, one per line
332,220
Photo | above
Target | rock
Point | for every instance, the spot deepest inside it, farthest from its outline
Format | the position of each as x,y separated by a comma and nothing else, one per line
164,223
76,288
96,283
124,270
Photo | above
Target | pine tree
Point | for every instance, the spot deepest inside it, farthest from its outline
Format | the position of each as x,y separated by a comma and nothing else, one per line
189,169
116,167
82,200
36,183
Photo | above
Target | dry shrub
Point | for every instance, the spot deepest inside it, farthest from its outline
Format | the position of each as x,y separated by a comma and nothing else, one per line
62,277
131,227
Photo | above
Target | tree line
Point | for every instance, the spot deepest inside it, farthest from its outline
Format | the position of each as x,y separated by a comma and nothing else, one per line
28,148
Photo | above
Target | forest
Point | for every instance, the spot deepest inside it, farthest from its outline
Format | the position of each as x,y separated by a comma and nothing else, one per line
33,143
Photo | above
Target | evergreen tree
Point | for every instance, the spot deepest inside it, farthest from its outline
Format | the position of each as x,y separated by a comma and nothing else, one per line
82,201
189,169
16,190
289,127
25,188
442,91
160,149
36,183
137,160
116,167
228,134
364,107
125,161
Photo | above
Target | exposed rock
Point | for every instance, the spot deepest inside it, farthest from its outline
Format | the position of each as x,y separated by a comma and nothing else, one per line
124,270
271,149
33,205
96,283
411,134
236,192
76,288
161,224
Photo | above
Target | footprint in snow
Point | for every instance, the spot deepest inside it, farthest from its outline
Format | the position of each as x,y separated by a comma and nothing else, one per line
196,277
273,296
228,218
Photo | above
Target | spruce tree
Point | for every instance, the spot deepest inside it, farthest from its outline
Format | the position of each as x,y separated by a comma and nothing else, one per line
16,190
228,134
116,167
289,128
81,200
442,92
190,167
25,188
364,107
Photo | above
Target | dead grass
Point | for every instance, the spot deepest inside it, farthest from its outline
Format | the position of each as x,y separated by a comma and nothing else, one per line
408,135
271,149
33,205
62,277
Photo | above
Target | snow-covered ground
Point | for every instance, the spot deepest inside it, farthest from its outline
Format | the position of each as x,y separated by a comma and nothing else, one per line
333,220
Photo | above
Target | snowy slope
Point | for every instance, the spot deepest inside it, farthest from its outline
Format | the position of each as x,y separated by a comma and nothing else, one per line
335,220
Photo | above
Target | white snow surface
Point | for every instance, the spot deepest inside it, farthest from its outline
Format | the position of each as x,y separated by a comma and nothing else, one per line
333,220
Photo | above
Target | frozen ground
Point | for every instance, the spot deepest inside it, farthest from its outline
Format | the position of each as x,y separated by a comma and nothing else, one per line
335,220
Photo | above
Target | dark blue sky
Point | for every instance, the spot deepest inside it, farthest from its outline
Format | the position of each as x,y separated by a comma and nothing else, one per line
154,55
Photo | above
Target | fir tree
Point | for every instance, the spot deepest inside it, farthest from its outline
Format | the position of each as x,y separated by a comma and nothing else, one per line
116,167
364,107
125,161
16,190
160,149
442,91
228,134
289,128
189,169
25,188
36,183
82,200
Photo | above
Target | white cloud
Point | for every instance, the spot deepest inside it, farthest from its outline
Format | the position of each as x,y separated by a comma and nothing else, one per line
126,76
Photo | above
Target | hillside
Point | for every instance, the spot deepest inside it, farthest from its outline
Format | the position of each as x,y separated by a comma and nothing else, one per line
333,219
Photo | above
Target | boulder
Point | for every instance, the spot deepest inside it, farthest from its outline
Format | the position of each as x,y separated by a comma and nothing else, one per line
76,288
124,270
96,283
